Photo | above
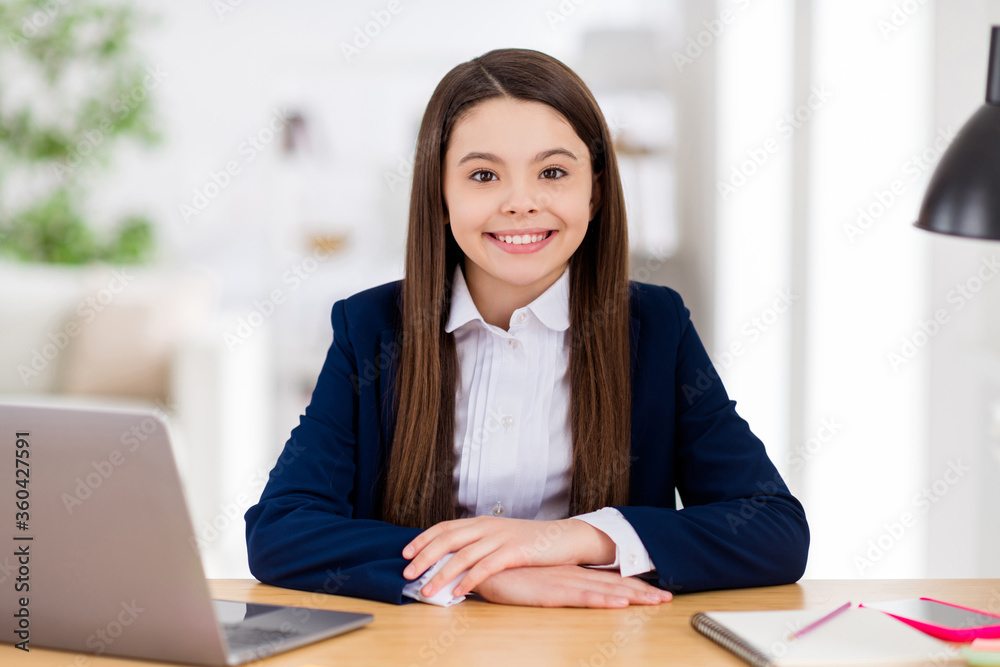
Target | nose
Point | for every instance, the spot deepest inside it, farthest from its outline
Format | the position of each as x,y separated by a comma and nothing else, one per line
521,199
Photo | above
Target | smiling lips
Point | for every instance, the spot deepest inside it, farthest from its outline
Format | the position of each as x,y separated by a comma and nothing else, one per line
525,242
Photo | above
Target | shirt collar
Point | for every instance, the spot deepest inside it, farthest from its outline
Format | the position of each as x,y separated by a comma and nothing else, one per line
551,307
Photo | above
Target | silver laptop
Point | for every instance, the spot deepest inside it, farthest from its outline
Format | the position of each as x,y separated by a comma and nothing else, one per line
99,552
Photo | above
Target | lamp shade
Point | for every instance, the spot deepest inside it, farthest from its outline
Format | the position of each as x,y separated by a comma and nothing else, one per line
963,196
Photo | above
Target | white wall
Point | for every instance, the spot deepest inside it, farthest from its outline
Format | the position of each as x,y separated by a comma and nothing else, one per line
868,281
895,416
964,368
753,187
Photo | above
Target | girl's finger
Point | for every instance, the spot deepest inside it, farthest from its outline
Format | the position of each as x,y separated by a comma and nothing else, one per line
483,570
462,561
434,550
610,584
426,537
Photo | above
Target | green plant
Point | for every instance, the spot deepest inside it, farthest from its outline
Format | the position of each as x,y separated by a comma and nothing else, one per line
72,88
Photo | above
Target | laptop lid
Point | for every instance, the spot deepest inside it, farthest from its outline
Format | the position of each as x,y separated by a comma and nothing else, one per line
101,555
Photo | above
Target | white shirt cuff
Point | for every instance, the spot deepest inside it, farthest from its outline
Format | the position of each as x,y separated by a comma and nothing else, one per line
443,598
631,557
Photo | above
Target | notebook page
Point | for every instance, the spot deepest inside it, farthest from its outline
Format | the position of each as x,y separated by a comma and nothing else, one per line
858,636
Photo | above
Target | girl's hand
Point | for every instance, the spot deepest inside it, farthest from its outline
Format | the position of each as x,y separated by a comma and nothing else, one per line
486,545
568,586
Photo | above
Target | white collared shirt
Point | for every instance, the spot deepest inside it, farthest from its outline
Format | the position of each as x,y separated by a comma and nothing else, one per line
513,438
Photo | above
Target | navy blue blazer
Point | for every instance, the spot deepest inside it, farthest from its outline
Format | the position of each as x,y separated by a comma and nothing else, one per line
317,525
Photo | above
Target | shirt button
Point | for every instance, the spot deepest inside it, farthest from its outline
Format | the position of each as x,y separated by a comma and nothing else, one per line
521,317
498,510
633,559
506,421
512,344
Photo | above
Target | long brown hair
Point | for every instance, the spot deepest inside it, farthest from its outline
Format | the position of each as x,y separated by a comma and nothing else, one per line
419,478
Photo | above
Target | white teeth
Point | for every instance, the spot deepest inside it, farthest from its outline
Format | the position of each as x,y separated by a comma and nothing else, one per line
523,239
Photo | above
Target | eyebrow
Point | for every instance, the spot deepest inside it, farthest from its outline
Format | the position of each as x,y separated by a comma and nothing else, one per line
491,157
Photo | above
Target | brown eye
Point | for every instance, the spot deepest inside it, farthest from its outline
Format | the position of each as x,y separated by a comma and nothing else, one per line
483,176
553,173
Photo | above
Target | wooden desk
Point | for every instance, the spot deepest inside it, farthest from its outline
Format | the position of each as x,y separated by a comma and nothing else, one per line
478,633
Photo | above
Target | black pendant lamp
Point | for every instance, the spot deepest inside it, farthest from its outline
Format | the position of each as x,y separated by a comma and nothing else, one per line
963,196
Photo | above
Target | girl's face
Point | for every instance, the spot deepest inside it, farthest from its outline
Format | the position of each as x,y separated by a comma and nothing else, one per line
520,193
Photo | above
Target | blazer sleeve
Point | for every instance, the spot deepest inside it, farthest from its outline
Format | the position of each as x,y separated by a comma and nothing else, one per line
740,526
302,533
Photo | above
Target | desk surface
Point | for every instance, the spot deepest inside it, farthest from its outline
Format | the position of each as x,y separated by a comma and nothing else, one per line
479,633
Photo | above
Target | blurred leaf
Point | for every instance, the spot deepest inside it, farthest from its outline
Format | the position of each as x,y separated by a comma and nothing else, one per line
53,232
50,231
53,44
134,243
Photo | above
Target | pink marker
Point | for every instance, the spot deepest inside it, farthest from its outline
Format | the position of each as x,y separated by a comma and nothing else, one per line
815,624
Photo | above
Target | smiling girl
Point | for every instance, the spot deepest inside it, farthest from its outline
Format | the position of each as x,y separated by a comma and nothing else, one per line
533,411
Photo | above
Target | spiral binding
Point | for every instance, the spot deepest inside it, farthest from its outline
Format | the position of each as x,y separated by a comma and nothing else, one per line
727,640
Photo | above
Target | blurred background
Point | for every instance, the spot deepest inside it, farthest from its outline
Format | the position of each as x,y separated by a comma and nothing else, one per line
187,187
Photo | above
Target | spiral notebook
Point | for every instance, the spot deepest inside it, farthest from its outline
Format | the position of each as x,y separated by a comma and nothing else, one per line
858,636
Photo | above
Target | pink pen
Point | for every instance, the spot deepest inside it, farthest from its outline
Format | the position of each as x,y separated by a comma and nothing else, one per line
815,624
